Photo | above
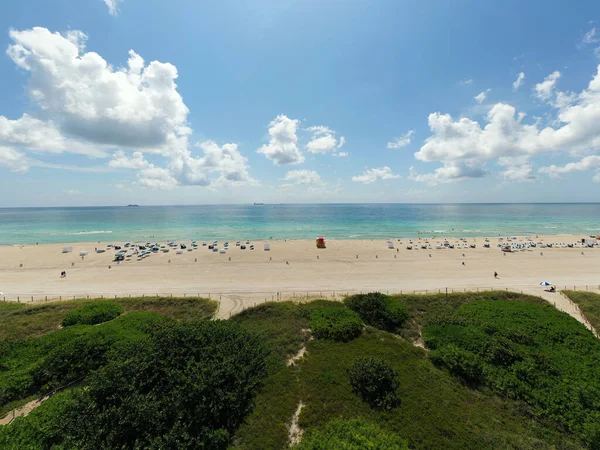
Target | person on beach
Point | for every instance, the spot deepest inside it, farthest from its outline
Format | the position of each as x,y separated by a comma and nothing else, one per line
495,274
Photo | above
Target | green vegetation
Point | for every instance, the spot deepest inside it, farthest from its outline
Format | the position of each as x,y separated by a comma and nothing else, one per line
502,371
378,310
376,381
425,308
437,411
43,428
589,303
93,313
39,365
283,327
185,386
21,320
333,322
354,434
529,353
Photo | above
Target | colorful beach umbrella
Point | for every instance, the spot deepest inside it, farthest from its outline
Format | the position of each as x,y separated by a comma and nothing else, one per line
544,283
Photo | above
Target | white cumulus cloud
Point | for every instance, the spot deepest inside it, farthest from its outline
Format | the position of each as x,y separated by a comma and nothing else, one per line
157,177
282,148
323,140
545,89
464,146
90,106
450,173
591,162
123,161
303,177
401,141
519,173
371,175
14,160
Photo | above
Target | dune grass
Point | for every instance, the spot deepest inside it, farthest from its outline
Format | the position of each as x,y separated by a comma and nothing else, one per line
424,308
283,326
437,410
92,314
27,320
589,303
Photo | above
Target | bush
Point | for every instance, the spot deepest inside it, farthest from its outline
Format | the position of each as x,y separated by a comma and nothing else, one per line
356,434
42,428
37,365
73,360
378,310
93,313
460,362
336,323
376,381
189,386
527,352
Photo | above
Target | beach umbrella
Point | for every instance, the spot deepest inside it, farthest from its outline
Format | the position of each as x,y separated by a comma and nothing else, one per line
544,283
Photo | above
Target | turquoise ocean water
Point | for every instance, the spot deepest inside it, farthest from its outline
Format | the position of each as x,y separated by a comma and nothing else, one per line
334,221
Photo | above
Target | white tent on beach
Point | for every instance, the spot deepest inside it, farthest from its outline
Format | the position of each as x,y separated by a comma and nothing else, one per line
267,246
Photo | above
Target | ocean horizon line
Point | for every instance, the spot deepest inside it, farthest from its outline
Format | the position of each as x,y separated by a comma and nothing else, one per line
296,204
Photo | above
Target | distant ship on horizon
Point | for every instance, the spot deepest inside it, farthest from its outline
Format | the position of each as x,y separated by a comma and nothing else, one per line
133,206
258,204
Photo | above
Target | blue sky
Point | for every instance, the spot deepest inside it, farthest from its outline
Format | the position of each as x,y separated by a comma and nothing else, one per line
298,101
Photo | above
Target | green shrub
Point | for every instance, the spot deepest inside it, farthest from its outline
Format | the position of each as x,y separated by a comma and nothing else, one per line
376,381
527,352
37,365
42,428
93,313
379,310
336,323
356,434
189,386
73,360
460,362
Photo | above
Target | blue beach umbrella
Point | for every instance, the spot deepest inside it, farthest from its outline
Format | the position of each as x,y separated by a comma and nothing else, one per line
544,283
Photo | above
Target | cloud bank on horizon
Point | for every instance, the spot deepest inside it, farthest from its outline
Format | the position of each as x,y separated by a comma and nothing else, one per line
133,120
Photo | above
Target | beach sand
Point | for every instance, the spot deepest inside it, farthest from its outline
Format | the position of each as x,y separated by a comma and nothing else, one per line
258,275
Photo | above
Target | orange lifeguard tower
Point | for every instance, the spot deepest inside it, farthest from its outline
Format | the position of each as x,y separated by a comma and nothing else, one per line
320,242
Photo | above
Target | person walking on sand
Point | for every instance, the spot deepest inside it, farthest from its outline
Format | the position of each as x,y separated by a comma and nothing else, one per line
495,274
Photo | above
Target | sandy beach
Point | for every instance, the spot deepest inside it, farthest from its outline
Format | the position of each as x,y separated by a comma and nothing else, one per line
295,267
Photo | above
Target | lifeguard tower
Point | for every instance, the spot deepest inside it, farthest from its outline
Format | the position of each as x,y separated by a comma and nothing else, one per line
320,242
